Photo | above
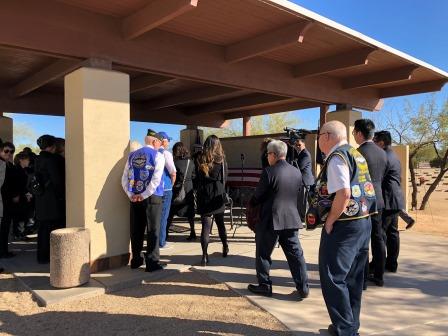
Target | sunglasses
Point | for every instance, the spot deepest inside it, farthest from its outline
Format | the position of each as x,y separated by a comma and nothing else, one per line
7,151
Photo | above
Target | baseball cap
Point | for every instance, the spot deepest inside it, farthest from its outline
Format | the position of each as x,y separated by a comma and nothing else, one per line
165,136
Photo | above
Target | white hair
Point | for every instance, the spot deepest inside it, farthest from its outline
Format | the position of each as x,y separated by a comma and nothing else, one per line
279,148
335,128
134,145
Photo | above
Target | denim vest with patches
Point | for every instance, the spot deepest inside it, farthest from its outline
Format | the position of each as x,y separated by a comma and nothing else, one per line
142,163
362,201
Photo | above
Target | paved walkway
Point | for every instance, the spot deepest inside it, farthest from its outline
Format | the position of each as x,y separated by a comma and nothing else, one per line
414,301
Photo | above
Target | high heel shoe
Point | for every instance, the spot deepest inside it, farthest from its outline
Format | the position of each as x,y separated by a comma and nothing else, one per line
225,251
204,260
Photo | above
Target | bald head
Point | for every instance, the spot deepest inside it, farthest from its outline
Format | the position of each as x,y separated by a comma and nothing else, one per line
331,133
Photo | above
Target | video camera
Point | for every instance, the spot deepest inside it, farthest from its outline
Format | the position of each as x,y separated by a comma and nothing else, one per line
294,133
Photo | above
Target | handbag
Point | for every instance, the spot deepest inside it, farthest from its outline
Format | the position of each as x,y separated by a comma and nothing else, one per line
181,195
225,196
252,215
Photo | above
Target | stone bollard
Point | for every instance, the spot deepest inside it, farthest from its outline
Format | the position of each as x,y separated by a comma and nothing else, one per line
69,257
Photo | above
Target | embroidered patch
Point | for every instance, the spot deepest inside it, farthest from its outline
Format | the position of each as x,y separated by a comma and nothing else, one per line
356,190
352,208
369,190
139,161
310,219
149,167
364,206
325,203
139,185
323,190
144,174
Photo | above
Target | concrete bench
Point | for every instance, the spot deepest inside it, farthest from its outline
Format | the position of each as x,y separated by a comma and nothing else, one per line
69,257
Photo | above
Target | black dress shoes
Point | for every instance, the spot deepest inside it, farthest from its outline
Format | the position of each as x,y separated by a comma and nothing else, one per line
264,290
303,294
136,262
376,281
332,330
152,267
225,251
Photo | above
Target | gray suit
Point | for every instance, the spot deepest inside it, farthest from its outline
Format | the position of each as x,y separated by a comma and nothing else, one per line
277,193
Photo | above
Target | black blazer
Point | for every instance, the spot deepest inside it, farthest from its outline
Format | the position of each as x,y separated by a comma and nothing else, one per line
304,162
210,190
393,195
277,193
51,204
377,162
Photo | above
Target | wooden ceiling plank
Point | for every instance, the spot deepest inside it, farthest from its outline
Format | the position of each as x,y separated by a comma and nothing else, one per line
273,109
253,99
267,42
189,96
148,81
341,61
381,77
403,90
55,70
153,15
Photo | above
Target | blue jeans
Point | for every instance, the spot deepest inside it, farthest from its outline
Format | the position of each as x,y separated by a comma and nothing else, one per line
166,205
342,256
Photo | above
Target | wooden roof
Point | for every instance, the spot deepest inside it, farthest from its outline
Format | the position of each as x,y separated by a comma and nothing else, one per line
199,61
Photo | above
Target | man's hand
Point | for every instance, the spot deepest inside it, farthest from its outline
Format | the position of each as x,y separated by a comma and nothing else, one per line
136,198
328,227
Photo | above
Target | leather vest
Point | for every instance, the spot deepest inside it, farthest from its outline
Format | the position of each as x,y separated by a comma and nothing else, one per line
362,201
142,163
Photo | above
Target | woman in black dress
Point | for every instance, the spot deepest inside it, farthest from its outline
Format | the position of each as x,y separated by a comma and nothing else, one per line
211,171
184,177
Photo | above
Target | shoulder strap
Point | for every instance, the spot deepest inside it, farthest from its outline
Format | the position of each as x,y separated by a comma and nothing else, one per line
186,171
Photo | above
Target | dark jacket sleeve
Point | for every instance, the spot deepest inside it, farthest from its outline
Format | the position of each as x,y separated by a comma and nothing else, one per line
262,191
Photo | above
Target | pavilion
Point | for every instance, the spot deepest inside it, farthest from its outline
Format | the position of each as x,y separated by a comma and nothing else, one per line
194,62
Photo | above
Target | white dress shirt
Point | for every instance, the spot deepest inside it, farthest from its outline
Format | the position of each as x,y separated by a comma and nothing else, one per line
338,172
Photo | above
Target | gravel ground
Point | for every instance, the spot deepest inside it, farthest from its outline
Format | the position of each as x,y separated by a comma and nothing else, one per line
188,303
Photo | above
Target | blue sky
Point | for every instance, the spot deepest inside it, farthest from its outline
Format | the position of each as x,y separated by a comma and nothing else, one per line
417,27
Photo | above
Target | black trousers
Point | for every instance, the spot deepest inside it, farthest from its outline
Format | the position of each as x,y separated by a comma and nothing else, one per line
206,226
5,226
378,246
342,257
43,238
146,215
392,238
265,240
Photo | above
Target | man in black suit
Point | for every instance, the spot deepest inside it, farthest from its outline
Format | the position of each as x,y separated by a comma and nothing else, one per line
277,194
393,200
304,164
377,163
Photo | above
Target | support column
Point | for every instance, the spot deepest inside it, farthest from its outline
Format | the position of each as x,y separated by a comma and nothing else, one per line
246,126
348,118
97,121
323,115
6,128
191,137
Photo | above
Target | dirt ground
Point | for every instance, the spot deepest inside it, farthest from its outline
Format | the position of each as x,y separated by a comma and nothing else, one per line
187,303
434,219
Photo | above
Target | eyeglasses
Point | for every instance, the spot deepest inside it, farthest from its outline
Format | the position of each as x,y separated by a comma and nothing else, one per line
267,154
7,151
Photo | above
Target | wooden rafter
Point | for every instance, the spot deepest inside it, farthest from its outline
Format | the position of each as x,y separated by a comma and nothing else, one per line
145,82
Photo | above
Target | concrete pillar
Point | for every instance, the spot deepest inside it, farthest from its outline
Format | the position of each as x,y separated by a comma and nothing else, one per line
97,121
191,137
323,115
311,145
348,118
403,155
6,128
246,126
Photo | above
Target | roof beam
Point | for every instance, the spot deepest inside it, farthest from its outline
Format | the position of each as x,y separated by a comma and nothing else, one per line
324,65
190,96
54,71
148,81
380,77
300,105
415,88
267,42
253,100
81,34
153,15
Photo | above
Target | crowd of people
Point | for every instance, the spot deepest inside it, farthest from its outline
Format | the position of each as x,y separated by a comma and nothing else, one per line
356,196
32,193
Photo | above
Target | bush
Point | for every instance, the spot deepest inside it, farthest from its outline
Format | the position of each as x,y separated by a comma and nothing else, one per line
435,163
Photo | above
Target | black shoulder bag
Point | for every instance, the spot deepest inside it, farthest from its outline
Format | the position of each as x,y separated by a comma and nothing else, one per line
182,195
